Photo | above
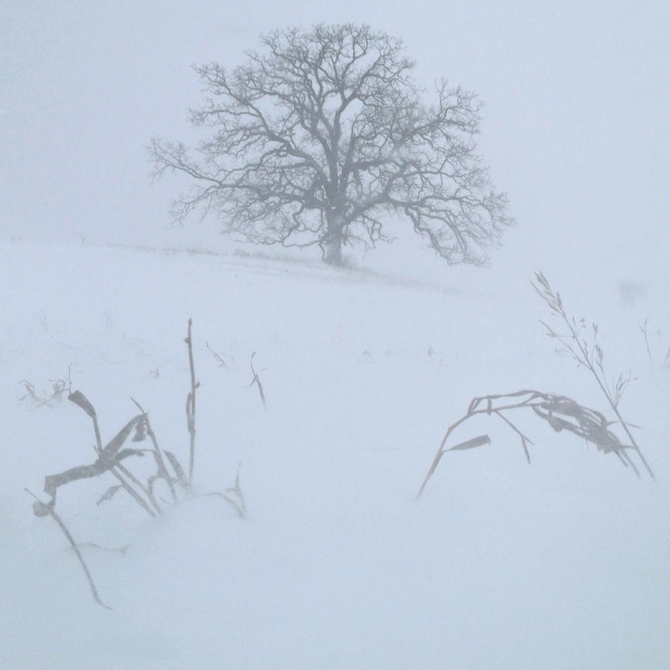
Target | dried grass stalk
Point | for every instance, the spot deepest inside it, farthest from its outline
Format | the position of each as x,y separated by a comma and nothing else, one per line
588,353
257,380
43,509
110,457
190,406
558,411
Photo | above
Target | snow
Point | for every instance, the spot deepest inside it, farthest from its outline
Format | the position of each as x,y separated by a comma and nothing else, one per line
560,564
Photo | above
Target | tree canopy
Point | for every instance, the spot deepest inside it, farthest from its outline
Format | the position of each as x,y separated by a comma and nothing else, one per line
322,136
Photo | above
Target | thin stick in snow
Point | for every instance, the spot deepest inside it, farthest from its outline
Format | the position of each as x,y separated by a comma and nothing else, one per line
256,379
43,509
190,405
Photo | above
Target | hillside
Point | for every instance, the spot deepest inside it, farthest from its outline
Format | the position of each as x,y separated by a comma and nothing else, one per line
560,564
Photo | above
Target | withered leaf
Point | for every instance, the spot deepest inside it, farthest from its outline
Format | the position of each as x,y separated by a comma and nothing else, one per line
117,442
471,444
79,399
176,466
109,493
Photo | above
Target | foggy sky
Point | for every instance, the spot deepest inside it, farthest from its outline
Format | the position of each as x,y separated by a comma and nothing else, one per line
575,123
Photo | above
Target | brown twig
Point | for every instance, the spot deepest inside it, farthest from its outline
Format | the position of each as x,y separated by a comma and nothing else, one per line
217,356
190,406
256,379
43,509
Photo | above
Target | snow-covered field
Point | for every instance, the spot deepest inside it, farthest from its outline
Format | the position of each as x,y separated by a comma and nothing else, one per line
561,564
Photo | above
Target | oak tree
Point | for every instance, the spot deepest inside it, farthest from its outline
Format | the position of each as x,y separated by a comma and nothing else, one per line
323,136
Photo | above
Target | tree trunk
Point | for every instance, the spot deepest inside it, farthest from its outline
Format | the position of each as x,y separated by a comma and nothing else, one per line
333,254
334,251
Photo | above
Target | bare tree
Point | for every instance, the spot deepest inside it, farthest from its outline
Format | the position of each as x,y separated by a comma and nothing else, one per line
321,136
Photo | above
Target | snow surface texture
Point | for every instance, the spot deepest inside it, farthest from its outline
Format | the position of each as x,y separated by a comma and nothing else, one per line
560,564
563,564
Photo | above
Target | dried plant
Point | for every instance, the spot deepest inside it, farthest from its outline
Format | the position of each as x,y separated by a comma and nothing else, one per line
117,459
588,353
256,379
220,358
190,406
43,509
559,412
233,496
58,388
645,334
644,329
